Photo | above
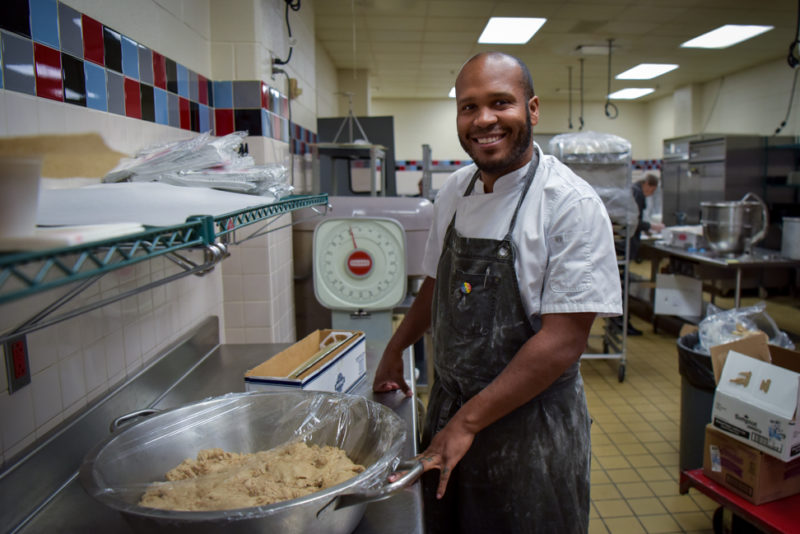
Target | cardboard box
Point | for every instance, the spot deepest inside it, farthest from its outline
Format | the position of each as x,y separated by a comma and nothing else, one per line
678,295
746,471
757,401
324,360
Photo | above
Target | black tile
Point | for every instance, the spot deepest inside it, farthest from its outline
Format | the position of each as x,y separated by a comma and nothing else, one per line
194,114
210,93
172,75
15,16
248,120
148,102
74,80
112,46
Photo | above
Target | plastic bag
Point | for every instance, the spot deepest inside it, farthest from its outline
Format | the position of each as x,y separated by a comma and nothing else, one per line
255,180
590,147
724,326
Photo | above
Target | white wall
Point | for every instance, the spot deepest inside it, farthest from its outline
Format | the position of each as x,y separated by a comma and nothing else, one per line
77,361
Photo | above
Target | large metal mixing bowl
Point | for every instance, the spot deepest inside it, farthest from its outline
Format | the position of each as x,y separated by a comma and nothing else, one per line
118,470
733,227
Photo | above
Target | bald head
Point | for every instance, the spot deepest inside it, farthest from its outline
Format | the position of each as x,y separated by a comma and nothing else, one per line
515,65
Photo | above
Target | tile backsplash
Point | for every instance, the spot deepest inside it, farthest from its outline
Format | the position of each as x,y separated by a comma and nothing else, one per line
50,50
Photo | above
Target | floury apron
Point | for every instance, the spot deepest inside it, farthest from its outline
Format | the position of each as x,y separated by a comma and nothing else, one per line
529,471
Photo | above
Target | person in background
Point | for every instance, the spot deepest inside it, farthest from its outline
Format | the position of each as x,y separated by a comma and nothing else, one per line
519,261
641,190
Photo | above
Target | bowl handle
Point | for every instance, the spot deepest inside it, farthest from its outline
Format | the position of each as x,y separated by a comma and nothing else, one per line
413,469
123,419
764,221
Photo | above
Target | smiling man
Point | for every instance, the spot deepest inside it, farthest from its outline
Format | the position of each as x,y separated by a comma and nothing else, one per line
520,260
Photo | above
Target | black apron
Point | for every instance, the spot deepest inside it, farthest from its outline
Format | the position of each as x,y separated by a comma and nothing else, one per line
529,471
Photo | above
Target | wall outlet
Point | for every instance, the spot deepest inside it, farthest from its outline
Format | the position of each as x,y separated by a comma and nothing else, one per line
17,367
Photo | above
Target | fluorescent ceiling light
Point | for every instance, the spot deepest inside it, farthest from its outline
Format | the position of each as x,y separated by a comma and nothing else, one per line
452,93
631,93
510,30
646,71
726,36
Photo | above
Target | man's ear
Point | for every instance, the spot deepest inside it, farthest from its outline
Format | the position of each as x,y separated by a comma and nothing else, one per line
533,106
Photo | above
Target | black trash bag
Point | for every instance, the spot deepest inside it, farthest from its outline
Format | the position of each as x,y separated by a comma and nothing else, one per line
693,365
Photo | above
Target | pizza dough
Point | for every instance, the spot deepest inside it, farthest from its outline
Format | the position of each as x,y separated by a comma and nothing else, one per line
220,480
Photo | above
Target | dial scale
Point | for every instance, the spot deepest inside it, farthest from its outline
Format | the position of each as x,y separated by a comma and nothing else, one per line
359,263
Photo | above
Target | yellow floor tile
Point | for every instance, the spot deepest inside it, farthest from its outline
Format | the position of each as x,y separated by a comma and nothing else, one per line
602,492
612,462
619,476
613,508
694,522
660,524
679,503
646,506
624,525
632,490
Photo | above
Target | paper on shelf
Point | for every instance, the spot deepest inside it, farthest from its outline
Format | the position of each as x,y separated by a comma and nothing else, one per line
148,203
63,236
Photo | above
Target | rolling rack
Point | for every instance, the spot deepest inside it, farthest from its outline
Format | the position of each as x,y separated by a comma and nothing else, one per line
604,160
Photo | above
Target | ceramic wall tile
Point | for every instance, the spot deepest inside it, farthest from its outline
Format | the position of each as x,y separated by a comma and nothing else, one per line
160,106
115,89
48,72
74,80
194,116
147,102
202,90
159,71
46,395
96,91
247,94
205,118
173,108
130,58
112,49
223,94
194,90
44,22
15,16
172,75
223,121
185,114
183,81
18,66
70,30
210,91
248,120
145,64
133,99
266,123
92,40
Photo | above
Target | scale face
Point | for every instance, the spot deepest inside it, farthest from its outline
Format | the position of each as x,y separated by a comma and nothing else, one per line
359,263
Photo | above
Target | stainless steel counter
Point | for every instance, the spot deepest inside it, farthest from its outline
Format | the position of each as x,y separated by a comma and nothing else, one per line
217,372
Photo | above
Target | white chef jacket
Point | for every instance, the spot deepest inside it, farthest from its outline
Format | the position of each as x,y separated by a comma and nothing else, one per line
565,263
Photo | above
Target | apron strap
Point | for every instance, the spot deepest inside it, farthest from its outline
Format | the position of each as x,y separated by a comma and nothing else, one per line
528,181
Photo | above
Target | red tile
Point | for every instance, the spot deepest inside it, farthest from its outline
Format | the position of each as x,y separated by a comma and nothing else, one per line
186,116
48,72
159,71
202,94
224,120
264,95
133,102
92,40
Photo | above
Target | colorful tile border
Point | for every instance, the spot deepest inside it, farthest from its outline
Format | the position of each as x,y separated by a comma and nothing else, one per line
50,50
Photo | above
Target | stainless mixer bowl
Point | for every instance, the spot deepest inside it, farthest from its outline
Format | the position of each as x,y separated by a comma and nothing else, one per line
730,227
117,471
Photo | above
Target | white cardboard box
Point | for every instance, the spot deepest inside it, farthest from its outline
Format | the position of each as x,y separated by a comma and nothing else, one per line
678,295
340,370
756,401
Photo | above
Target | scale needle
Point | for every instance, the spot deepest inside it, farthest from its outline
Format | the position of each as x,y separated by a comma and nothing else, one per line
352,236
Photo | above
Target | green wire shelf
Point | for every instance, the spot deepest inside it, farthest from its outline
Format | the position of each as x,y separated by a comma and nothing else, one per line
23,274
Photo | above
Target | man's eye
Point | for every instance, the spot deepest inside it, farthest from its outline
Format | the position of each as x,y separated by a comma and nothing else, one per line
501,103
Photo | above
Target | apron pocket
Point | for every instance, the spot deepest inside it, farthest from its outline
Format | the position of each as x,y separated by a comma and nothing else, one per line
472,303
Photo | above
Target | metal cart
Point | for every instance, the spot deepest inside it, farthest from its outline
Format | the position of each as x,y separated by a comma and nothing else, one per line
604,160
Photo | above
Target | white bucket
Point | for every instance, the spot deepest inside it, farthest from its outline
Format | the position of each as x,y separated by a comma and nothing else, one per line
790,242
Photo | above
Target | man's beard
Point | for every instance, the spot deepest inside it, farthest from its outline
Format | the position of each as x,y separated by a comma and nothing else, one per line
524,140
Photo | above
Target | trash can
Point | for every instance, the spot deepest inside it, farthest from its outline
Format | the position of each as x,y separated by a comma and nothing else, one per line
697,399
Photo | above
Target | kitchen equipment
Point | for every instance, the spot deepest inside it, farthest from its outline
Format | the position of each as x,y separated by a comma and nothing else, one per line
790,239
733,227
117,471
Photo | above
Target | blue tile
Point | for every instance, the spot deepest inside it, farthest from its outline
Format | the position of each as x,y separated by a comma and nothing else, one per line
205,125
223,95
44,22
162,112
71,31
95,86
266,123
145,64
130,58
174,112
18,64
183,81
115,85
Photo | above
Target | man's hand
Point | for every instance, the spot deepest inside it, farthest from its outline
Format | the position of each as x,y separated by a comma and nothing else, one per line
389,375
447,448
